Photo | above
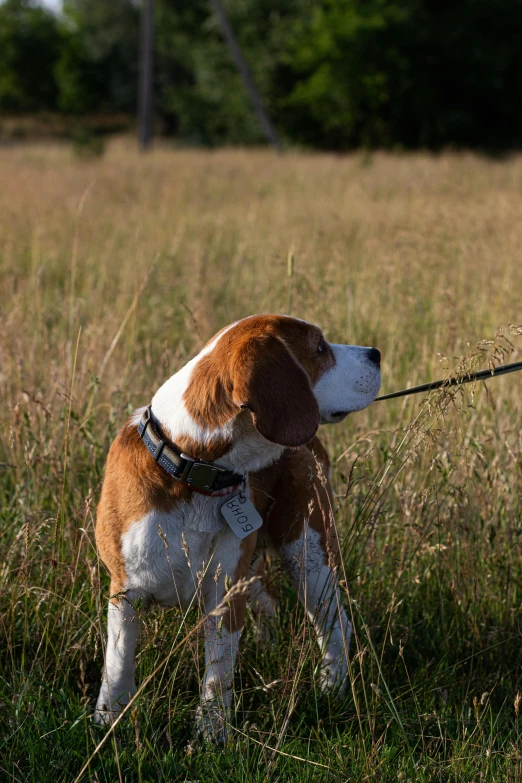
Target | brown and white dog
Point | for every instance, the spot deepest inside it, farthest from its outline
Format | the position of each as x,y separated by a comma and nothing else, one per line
249,404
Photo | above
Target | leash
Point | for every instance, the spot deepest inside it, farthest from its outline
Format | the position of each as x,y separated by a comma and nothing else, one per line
481,375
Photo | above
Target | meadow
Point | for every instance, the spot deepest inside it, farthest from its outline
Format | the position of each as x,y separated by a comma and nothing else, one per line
114,271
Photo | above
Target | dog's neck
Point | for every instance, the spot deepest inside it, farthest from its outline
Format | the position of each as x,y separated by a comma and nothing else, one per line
170,410
242,448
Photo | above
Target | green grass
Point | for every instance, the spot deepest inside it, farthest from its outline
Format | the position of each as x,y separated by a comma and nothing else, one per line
113,273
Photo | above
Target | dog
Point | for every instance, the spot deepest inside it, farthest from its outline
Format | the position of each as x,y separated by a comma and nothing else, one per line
222,465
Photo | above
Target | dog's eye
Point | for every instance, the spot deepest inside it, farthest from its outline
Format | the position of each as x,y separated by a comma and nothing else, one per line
321,348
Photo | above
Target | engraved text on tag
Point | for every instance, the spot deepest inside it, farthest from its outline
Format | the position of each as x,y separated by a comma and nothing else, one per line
240,515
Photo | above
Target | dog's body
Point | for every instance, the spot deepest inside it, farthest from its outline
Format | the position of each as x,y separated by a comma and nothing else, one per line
250,402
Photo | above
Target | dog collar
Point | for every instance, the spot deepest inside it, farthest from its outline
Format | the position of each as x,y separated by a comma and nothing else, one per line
197,474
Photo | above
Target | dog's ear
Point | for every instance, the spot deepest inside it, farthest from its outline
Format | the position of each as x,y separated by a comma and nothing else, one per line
276,389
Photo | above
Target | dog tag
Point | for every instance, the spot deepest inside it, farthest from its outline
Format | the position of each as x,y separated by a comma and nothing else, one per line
241,516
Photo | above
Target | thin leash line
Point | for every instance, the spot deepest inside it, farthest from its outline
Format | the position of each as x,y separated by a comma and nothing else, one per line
481,375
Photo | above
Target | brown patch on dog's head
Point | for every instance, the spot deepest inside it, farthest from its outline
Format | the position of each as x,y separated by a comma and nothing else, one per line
268,365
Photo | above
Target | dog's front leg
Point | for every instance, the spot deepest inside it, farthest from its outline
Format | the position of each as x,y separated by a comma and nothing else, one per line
222,632
221,643
307,564
123,629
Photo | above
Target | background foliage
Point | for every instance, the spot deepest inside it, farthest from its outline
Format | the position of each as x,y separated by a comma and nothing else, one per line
334,74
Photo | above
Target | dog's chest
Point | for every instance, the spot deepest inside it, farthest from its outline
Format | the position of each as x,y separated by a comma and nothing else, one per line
171,557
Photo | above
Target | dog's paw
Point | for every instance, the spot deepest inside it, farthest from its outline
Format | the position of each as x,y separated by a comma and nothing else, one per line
107,709
211,723
103,717
333,677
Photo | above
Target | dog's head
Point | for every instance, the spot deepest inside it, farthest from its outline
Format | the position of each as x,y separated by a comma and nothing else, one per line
285,373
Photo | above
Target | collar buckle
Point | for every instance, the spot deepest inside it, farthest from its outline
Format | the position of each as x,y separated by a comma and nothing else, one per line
199,474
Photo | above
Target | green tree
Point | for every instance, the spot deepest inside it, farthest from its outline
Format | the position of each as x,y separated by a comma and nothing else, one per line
30,44
200,94
98,66
404,72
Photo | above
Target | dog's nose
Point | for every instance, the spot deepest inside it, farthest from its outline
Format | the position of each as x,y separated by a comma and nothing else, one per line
374,356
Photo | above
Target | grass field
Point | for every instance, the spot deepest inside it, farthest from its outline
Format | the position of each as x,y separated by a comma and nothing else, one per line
113,272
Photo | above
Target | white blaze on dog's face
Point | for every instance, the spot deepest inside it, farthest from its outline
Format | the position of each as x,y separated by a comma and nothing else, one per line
350,385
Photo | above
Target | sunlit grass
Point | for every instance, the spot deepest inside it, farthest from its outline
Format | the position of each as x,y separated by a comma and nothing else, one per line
113,273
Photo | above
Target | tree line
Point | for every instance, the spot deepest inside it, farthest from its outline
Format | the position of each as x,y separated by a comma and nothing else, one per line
333,74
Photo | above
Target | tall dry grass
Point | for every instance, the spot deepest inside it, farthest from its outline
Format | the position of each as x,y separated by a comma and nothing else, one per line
113,273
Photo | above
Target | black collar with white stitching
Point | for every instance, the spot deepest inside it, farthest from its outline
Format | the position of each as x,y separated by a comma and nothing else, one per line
198,474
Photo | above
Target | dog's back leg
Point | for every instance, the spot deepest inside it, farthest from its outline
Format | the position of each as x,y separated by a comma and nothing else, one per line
301,527
262,596
306,562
